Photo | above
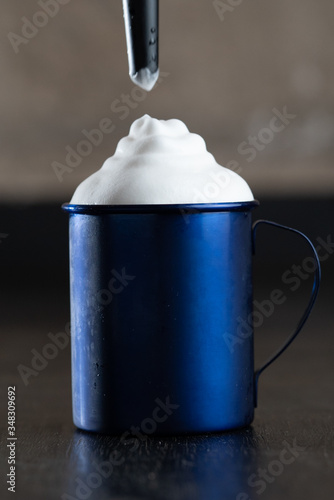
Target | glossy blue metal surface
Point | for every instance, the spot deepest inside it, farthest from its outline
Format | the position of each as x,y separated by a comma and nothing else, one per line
160,304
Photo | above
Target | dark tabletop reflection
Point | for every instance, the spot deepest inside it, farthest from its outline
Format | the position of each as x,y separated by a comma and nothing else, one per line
210,467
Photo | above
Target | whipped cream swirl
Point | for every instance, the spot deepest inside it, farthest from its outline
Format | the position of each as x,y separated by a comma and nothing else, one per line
161,162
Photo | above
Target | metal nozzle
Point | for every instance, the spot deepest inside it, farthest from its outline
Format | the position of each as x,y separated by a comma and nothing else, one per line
141,19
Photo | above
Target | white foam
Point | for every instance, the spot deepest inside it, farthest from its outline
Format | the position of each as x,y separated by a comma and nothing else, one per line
145,79
161,162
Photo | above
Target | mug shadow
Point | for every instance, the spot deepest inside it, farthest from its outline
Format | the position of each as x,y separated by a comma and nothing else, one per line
213,466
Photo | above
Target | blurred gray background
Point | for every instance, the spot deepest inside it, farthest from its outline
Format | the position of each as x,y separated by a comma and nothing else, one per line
224,70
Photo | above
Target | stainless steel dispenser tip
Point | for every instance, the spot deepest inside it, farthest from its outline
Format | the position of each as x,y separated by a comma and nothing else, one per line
141,18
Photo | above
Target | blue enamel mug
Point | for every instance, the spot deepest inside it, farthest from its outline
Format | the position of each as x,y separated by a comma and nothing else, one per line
161,317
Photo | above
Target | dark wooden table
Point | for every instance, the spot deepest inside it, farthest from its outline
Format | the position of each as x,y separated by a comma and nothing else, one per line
286,454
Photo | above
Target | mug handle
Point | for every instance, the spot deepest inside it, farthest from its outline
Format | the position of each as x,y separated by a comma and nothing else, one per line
314,293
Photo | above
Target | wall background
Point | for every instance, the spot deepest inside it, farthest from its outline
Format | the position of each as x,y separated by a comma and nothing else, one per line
223,73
